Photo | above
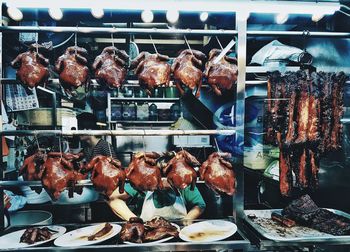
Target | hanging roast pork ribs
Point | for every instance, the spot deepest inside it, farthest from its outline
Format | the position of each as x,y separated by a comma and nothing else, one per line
152,70
221,76
32,67
107,174
180,170
218,174
143,172
187,70
309,127
111,67
72,68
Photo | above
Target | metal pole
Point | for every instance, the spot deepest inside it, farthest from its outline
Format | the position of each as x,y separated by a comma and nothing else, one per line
298,33
2,207
123,31
119,132
241,48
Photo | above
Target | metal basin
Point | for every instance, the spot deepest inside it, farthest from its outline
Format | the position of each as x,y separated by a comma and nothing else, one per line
30,217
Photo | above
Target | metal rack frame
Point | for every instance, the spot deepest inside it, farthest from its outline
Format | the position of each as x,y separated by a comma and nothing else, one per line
241,33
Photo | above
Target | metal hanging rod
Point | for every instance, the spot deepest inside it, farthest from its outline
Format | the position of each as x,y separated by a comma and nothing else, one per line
299,33
99,30
131,132
17,183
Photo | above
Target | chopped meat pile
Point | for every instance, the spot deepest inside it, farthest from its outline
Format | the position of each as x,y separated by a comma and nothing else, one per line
135,230
303,119
307,213
33,235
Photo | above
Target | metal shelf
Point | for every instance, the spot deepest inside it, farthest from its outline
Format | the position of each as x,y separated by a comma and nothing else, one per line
150,99
131,132
124,31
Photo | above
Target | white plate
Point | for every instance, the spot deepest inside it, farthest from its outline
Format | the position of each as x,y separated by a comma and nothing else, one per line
208,231
79,236
156,242
11,240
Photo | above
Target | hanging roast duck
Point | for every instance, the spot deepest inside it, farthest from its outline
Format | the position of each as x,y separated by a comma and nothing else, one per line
152,70
111,67
72,68
32,67
187,70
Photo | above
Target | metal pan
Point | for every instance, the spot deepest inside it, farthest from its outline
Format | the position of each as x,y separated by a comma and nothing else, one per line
274,231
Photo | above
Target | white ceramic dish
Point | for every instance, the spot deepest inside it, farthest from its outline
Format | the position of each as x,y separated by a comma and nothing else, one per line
12,240
79,236
208,231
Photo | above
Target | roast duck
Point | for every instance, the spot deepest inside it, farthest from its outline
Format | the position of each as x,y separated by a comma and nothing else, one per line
32,67
143,172
72,68
135,230
111,67
303,120
180,170
152,70
61,170
217,172
33,166
221,76
187,70
107,174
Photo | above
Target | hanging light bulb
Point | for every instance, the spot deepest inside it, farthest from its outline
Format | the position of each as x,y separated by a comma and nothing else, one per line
15,13
97,12
56,13
281,18
147,16
204,16
172,16
316,17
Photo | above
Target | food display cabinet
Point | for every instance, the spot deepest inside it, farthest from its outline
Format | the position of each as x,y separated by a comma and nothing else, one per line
176,120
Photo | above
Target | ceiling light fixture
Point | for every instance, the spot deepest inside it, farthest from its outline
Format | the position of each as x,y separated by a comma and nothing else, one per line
172,16
97,12
147,16
281,18
204,16
56,13
15,13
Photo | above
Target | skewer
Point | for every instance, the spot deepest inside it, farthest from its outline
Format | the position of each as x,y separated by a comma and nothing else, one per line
188,45
217,39
154,46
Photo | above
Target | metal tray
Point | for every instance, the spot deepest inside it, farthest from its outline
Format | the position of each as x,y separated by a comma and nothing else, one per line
274,231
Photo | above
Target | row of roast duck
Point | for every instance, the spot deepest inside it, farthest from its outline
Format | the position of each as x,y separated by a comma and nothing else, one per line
110,69
60,171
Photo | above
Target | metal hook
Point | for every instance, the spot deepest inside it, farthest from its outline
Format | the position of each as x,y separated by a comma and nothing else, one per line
217,39
36,43
109,146
216,144
143,141
154,46
60,147
36,139
76,40
188,45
